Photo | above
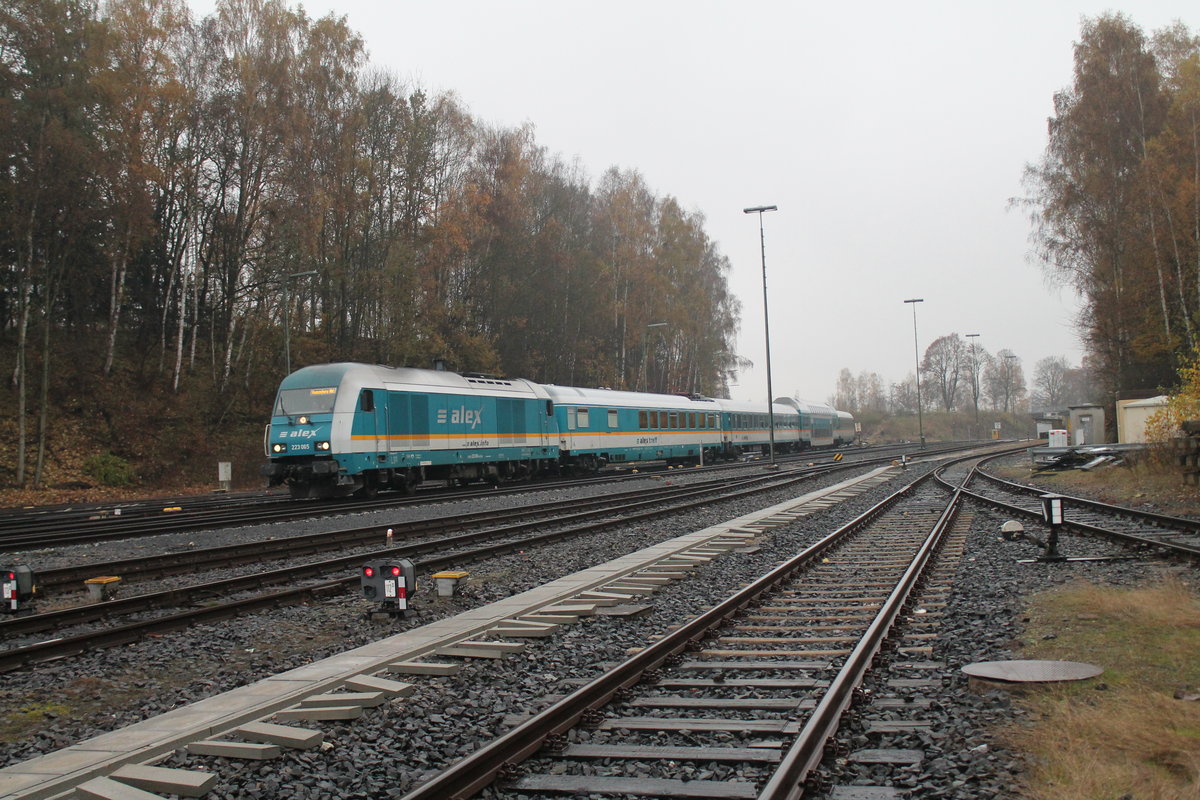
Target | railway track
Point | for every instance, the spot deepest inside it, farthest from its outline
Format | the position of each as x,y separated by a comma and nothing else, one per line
800,657
770,670
31,529
1127,526
521,528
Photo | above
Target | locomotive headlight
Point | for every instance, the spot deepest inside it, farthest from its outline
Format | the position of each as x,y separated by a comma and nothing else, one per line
322,445
302,420
278,448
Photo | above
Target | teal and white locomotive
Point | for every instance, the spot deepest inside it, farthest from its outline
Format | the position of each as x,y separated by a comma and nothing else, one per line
343,429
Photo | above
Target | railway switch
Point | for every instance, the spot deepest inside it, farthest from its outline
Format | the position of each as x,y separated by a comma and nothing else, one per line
1052,513
17,587
390,583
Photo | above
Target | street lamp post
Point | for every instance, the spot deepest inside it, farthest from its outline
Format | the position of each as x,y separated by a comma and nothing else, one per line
975,378
644,382
287,318
917,356
1009,358
762,244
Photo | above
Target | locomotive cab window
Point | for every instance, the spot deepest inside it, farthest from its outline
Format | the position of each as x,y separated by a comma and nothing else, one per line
366,400
305,401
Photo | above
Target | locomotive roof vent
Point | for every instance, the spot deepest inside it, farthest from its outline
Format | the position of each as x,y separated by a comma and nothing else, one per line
479,377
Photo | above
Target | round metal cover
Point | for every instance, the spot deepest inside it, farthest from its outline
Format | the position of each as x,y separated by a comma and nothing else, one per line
1032,671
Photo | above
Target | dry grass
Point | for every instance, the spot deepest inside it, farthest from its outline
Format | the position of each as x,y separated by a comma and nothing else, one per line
1135,739
1142,483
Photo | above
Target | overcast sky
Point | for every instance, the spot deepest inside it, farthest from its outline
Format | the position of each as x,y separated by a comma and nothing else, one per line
890,135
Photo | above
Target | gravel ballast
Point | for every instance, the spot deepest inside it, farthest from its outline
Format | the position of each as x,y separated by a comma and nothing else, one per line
393,747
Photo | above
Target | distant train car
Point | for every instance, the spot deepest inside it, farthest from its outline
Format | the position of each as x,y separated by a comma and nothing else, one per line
818,422
604,426
342,429
746,428
844,432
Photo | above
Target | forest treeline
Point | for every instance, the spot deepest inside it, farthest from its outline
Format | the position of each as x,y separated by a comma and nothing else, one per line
959,374
183,199
1115,201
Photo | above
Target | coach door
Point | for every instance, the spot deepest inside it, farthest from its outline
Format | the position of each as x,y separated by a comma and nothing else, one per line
372,422
545,425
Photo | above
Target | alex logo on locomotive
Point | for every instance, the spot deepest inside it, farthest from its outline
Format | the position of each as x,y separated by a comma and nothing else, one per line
461,415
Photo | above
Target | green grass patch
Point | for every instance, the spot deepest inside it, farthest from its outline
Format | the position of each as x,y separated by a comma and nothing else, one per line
26,719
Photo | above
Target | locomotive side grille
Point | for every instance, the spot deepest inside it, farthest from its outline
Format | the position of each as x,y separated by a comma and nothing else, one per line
509,421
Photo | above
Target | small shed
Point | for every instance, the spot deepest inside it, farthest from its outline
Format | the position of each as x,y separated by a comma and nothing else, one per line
1087,425
1132,416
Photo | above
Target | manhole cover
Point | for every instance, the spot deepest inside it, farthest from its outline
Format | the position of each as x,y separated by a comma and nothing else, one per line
1032,671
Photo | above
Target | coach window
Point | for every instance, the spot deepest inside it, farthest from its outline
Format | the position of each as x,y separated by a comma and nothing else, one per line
643,423
664,421
581,417
612,418
367,400
653,419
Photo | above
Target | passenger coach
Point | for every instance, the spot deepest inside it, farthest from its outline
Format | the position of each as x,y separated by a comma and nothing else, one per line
747,427
602,426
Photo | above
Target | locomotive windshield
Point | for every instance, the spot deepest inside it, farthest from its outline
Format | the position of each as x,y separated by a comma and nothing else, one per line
305,401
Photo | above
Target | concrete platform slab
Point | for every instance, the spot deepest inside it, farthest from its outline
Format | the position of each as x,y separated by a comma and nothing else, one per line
478,649
523,632
282,735
363,699
553,619
317,713
185,782
424,668
374,683
632,588
239,750
108,789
